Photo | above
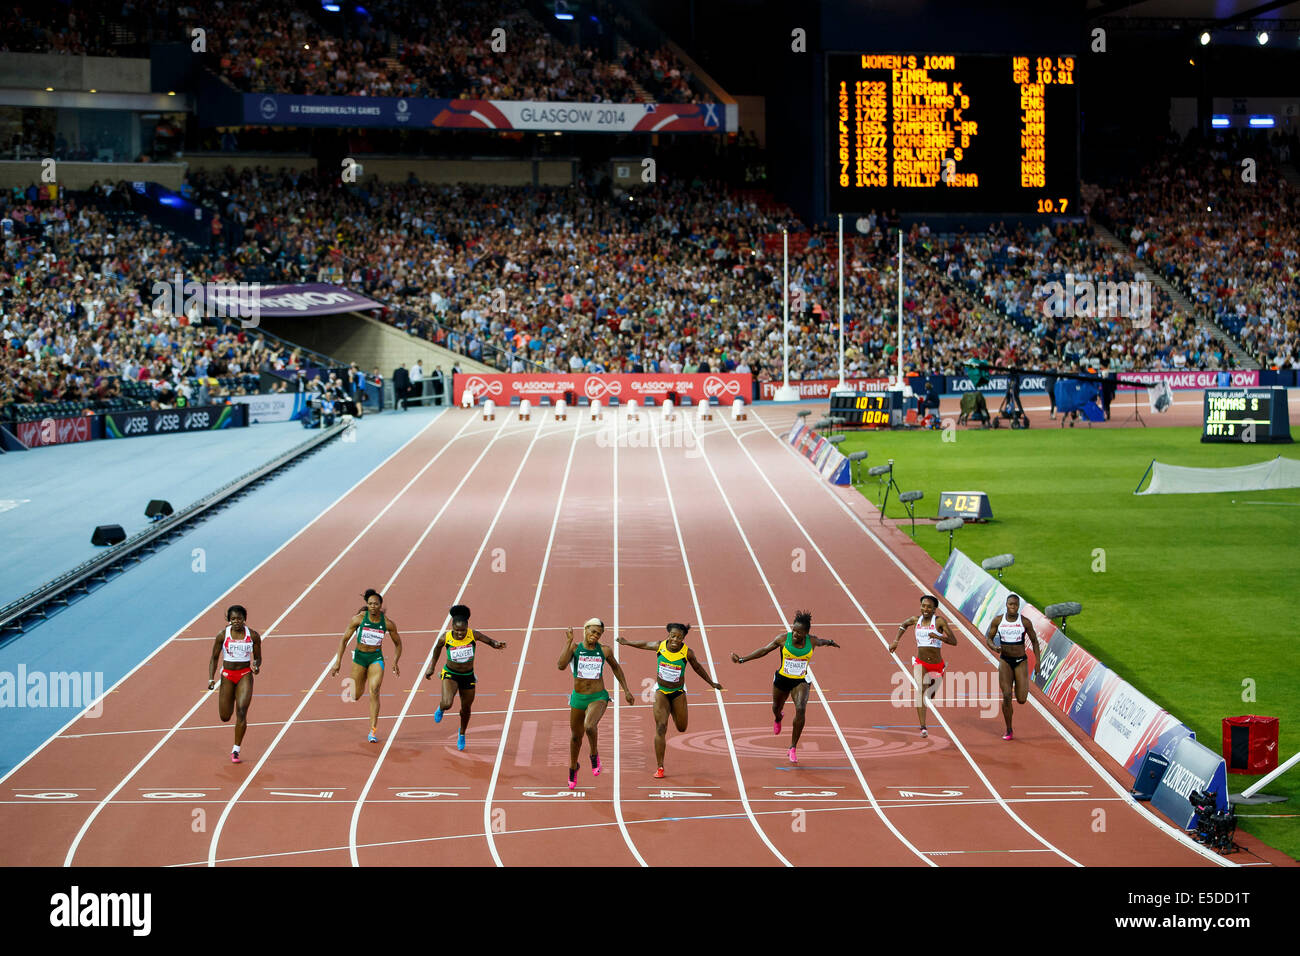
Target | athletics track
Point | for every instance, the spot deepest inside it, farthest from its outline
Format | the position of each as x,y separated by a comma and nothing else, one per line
539,525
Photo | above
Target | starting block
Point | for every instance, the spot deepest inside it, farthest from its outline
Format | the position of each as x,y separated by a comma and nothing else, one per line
489,411
738,410
467,399
595,409
704,410
667,406
525,409
631,409
561,410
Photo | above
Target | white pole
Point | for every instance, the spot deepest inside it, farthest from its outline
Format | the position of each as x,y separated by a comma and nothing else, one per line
840,386
785,301
900,305
1255,787
785,393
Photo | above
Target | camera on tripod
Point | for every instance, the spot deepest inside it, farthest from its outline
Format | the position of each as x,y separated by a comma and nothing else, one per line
1214,827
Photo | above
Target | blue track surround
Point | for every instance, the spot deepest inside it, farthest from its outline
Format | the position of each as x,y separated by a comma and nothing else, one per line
90,636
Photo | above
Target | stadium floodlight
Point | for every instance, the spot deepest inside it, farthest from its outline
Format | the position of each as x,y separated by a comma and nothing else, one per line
1262,37
907,498
950,525
1063,610
1205,38
998,562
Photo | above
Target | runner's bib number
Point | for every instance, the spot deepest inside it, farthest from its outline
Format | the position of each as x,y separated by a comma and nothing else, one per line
461,655
371,636
670,673
589,668
794,668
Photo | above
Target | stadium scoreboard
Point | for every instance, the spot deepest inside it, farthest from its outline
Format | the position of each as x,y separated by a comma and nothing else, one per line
867,409
1246,415
927,132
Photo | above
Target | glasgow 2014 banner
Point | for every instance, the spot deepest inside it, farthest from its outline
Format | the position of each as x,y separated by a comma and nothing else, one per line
282,109
609,388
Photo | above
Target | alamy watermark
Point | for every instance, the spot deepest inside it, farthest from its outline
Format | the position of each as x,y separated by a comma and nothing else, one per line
73,689
222,300
1130,300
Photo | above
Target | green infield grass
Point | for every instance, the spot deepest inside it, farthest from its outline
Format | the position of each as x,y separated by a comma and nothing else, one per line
1187,597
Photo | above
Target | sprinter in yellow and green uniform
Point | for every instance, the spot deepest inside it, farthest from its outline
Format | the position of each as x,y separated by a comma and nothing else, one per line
589,699
458,673
791,679
670,692
371,625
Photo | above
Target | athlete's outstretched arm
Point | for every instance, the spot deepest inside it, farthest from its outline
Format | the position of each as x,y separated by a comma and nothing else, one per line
902,628
643,645
397,643
566,655
699,669
437,652
767,648
993,629
343,644
495,645
618,673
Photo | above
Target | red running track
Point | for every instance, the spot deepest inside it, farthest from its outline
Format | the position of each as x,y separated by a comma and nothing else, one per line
539,525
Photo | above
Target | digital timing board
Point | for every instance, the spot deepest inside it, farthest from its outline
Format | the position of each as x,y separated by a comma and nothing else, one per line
1246,415
869,409
927,132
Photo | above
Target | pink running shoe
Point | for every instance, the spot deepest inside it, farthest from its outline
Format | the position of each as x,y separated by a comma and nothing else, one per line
793,758
595,767
776,726
924,732
573,779
1007,736
234,757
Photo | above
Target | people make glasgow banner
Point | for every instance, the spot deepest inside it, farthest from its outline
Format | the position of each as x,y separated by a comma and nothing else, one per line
283,109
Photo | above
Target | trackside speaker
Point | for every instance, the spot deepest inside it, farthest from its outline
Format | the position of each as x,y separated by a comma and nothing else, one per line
108,534
157,508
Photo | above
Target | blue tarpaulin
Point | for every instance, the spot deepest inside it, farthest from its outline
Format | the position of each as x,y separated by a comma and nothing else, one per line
1072,395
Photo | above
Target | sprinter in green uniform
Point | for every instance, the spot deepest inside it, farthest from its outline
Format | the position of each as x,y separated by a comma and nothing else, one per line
670,693
791,679
589,699
371,625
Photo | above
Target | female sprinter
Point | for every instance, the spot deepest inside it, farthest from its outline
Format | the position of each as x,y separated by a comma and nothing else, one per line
932,632
589,699
670,693
791,679
458,674
239,646
1011,629
370,625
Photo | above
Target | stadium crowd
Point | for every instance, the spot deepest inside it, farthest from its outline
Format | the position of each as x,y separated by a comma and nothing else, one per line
79,323
1228,239
404,48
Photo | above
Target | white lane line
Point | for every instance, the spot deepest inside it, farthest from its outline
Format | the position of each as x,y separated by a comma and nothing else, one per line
618,701
523,654
938,712
428,658
857,770
708,653
72,849
977,641
306,698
